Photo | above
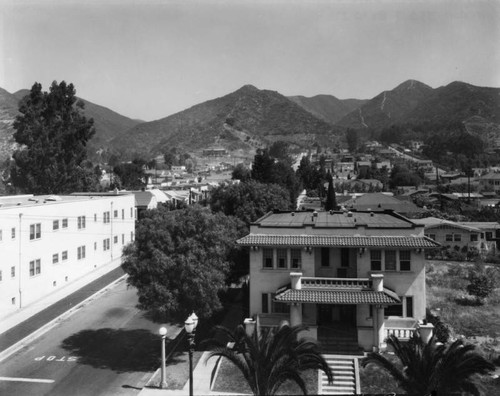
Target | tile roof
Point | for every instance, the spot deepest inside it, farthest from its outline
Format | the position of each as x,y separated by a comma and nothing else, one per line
337,240
338,297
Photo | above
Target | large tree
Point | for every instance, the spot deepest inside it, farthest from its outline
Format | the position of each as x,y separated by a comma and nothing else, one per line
446,369
181,259
53,134
249,200
132,175
269,358
331,198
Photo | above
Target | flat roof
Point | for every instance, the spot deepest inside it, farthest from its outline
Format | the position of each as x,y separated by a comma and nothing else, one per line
12,201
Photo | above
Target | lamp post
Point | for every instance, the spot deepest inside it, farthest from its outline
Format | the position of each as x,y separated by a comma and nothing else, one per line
163,333
190,327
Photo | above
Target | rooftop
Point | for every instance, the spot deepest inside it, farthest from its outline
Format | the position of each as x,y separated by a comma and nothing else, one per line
27,200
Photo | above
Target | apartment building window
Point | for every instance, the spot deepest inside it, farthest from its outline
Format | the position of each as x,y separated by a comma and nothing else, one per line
325,257
64,255
81,252
405,260
267,258
457,237
296,256
95,217
390,260
13,232
115,239
123,239
282,259
55,258
0,235
81,222
13,301
131,236
115,214
35,231
123,214
474,237
105,244
449,237
376,260
95,245
1,275
55,225
12,272
64,223
106,217
131,212
35,267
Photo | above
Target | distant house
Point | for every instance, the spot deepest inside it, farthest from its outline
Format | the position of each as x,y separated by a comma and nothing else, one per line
149,199
490,182
381,202
214,152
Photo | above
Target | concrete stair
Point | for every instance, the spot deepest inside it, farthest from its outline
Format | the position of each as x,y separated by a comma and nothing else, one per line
344,376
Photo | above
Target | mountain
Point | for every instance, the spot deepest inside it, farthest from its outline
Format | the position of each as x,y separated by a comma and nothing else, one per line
108,123
389,107
242,120
328,107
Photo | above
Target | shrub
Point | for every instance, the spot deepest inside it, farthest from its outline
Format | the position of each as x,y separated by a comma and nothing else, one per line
442,330
480,286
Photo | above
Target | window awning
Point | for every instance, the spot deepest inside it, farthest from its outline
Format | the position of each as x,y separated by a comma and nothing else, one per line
351,297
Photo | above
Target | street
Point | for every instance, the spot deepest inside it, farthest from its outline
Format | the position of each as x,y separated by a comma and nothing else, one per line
108,347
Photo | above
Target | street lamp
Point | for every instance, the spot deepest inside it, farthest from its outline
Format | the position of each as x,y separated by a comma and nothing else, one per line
163,333
190,327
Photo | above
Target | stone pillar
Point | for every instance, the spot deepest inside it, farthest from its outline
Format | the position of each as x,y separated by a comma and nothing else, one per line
378,328
295,314
426,331
249,326
295,280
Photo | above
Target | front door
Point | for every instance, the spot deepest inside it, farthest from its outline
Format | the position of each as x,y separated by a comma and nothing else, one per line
348,314
324,314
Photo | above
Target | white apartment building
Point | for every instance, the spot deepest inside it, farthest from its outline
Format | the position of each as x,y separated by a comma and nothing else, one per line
47,242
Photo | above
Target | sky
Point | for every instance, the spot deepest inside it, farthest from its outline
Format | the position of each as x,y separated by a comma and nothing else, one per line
152,58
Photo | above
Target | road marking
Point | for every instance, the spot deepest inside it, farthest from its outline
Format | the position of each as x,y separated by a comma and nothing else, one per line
38,380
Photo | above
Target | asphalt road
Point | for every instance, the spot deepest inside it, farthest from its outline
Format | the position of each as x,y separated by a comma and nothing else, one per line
108,347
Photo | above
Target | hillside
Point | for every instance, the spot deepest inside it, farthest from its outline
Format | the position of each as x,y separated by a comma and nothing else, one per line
327,107
242,120
108,123
389,107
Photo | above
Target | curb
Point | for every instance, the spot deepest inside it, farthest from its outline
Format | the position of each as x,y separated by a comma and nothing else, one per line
54,322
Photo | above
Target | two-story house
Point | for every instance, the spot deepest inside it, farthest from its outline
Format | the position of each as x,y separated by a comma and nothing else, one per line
359,272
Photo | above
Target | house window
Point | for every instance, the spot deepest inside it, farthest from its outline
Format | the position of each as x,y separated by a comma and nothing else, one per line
296,256
376,260
55,225
394,310
81,222
13,232
55,258
325,257
390,260
432,236
265,303
64,255
35,231
81,252
409,307
12,272
405,260
115,239
279,307
457,237
64,223
267,258
106,217
489,235
474,237
35,267
344,257
449,237
282,261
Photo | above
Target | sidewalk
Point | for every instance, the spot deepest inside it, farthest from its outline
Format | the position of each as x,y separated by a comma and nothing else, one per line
202,373
31,318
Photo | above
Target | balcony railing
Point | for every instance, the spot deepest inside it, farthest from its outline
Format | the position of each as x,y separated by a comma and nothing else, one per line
348,283
401,333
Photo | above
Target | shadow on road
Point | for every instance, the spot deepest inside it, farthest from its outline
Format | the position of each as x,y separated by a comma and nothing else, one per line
116,349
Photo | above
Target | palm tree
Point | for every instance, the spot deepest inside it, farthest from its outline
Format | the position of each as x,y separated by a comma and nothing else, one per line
269,359
433,367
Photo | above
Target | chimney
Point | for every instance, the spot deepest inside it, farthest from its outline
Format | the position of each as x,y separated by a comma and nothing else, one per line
295,278
378,282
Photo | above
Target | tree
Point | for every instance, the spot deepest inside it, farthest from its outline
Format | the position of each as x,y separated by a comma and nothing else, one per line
249,200
272,358
281,151
241,172
331,198
262,166
132,174
352,140
481,285
180,260
424,368
53,135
